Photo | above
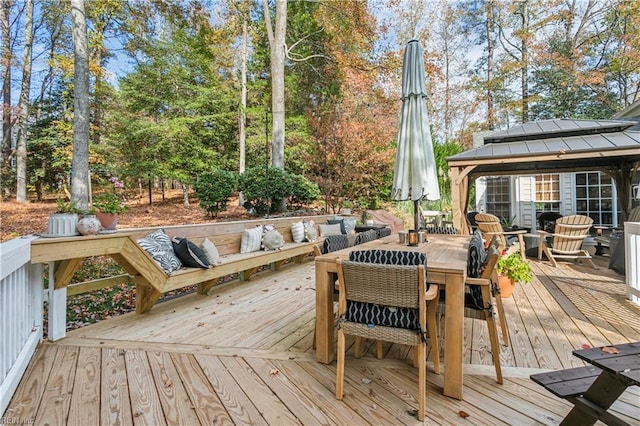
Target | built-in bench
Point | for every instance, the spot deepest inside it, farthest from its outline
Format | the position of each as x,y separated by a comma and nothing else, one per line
151,281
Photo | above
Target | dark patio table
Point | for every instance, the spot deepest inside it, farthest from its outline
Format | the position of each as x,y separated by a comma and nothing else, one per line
594,390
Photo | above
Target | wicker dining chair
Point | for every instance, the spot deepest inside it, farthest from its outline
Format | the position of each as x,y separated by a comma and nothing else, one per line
397,299
406,258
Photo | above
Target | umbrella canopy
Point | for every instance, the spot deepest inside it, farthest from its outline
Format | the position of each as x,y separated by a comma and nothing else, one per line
414,177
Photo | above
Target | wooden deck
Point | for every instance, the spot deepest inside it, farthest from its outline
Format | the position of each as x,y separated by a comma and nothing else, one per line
244,355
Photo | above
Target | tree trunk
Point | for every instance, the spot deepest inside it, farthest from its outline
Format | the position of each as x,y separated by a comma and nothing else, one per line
491,112
23,107
277,52
7,55
243,100
80,162
185,195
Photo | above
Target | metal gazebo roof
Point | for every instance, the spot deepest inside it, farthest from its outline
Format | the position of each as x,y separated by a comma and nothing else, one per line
551,146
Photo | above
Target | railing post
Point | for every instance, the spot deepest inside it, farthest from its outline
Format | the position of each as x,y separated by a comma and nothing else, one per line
57,308
632,266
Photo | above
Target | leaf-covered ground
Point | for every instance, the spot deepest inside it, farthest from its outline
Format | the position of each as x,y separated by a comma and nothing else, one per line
19,219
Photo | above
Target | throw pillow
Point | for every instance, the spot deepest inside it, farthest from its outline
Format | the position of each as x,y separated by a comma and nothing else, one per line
310,231
251,239
158,245
272,240
297,232
189,253
327,230
211,251
340,222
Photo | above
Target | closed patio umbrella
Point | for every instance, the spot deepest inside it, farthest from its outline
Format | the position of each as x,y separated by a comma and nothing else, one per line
414,177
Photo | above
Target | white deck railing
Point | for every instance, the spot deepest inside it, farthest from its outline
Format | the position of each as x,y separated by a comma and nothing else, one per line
632,259
21,287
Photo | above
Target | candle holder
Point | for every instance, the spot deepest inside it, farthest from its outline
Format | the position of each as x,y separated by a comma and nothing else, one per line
412,238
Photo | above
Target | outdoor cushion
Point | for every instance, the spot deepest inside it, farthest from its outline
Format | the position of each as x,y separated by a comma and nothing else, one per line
297,232
251,240
340,222
272,240
327,230
211,251
334,243
366,236
158,245
189,253
310,231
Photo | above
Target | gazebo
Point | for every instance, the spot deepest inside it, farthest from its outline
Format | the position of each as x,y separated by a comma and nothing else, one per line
550,146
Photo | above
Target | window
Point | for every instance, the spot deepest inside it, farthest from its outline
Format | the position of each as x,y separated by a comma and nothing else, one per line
594,197
498,196
547,193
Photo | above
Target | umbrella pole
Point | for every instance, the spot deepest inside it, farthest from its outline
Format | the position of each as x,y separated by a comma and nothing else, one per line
416,215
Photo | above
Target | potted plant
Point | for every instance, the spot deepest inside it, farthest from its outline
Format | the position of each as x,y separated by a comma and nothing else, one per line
64,221
109,206
512,269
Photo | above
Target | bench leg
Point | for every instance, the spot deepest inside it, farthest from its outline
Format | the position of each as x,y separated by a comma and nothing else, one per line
146,297
203,288
247,274
275,266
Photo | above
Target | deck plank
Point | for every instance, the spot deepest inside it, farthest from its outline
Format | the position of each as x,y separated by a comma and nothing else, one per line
208,359
114,395
85,400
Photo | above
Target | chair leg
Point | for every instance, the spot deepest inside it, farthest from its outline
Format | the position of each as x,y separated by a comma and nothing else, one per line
422,379
493,333
379,352
550,256
503,319
432,329
340,366
357,347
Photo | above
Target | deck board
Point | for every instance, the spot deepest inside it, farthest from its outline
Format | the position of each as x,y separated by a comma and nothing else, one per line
244,355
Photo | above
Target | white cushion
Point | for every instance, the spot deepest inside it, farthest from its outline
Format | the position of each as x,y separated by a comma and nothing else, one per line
310,231
211,251
297,232
251,240
326,230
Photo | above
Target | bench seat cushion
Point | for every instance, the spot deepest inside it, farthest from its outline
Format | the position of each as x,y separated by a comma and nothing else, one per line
159,246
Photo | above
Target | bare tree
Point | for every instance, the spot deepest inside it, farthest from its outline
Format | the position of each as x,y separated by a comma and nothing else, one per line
7,55
80,162
23,106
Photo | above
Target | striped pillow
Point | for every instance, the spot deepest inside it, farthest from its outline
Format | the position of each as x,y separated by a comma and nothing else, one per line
251,240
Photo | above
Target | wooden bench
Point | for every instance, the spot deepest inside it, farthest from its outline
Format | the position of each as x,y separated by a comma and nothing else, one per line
150,280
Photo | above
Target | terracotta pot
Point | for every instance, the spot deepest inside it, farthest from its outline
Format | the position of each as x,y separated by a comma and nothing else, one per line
108,221
506,286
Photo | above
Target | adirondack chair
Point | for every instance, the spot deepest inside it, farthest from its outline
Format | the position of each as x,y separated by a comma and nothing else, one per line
570,233
489,225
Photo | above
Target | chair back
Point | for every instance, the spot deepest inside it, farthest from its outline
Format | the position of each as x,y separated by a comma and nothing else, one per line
334,243
366,236
382,284
570,232
447,230
389,257
490,225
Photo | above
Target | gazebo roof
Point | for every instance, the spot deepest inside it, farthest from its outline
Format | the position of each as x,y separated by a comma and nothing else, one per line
553,145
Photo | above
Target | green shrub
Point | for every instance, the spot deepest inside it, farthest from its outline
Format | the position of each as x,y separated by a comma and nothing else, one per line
282,184
213,189
304,192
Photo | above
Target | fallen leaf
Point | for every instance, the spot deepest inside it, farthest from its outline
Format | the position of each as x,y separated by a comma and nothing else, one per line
298,288
274,371
610,350
265,290
201,324
366,381
586,346
463,414
168,383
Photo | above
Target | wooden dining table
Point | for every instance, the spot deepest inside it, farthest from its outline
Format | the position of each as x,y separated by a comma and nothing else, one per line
446,266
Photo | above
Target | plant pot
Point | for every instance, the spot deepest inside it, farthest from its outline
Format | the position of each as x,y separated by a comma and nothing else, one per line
506,286
62,225
88,225
108,221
